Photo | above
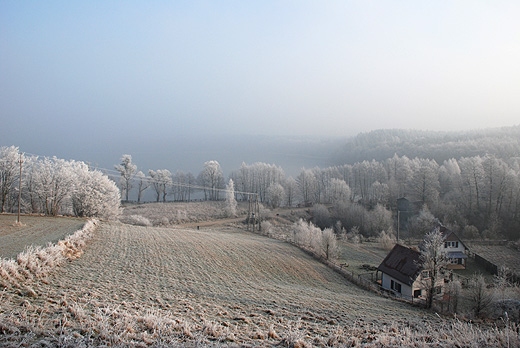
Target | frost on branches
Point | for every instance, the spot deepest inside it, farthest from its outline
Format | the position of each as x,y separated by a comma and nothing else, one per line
54,186
231,202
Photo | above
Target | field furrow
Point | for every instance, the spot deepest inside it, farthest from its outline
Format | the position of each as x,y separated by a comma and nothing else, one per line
34,230
240,281
182,286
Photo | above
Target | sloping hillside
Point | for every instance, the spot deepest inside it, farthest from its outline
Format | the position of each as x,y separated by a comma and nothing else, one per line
142,286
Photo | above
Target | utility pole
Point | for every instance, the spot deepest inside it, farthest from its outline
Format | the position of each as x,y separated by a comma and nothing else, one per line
20,161
257,208
248,211
398,220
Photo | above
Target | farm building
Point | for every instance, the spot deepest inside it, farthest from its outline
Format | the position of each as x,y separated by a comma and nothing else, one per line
403,274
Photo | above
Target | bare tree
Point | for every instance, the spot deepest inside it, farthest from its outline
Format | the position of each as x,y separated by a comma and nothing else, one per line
501,282
480,296
454,290
53,183
142,185
161,180
290,186
424,183
127,170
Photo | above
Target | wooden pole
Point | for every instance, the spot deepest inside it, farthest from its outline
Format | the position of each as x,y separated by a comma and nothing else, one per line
19,188
257,207
248,211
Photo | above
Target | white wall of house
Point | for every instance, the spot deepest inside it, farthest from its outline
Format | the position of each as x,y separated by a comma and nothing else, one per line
407,291
455,246
386,283
452,246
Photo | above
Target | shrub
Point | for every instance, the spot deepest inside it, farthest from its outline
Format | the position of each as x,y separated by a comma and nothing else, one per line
386,240
136,220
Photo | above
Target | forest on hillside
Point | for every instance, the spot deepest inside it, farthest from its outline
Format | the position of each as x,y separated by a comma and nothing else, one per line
440,146
468,181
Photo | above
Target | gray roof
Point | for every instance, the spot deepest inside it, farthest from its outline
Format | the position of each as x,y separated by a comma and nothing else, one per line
402,263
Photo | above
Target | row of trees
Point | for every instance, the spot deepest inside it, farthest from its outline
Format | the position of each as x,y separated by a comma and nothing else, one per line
55,186
180,185
479,191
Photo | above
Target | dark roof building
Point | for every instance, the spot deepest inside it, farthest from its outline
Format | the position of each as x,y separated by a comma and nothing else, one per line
402,263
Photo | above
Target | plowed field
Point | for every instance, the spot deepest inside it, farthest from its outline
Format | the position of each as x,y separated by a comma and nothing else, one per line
35,230
163,285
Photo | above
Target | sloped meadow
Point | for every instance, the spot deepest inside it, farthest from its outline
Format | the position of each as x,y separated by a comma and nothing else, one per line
155,286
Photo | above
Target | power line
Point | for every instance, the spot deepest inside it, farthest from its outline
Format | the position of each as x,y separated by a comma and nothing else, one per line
114,174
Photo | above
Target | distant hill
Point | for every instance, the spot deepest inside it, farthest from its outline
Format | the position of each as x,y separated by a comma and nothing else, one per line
440,146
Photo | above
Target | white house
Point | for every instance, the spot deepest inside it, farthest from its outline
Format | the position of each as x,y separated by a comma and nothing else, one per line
403,274
454,248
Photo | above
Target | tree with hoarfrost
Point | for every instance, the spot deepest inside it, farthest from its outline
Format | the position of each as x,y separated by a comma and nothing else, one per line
127,169
338,191
275,195
142,184
433,260
161,180
307,184
55,186
291,187
212,179
231,202
9,172
53,182
329,245
94,194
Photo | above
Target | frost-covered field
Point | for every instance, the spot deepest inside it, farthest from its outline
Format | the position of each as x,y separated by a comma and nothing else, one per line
34,230
139,286
170,213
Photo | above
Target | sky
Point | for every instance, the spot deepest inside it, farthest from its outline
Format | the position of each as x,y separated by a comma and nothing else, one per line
122,75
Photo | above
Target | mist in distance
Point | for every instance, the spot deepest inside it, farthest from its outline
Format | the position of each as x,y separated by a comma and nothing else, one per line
175,84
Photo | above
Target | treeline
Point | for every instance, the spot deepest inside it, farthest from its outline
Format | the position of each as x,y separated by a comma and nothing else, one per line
478,194
440,146
53,186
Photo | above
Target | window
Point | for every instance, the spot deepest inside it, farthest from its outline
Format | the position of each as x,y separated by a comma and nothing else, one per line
417,293
425,274
454,261
451,244
395,286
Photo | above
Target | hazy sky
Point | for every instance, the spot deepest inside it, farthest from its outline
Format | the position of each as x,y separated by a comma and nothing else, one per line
85,72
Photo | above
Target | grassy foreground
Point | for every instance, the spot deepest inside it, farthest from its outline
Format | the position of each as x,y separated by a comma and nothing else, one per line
150,286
